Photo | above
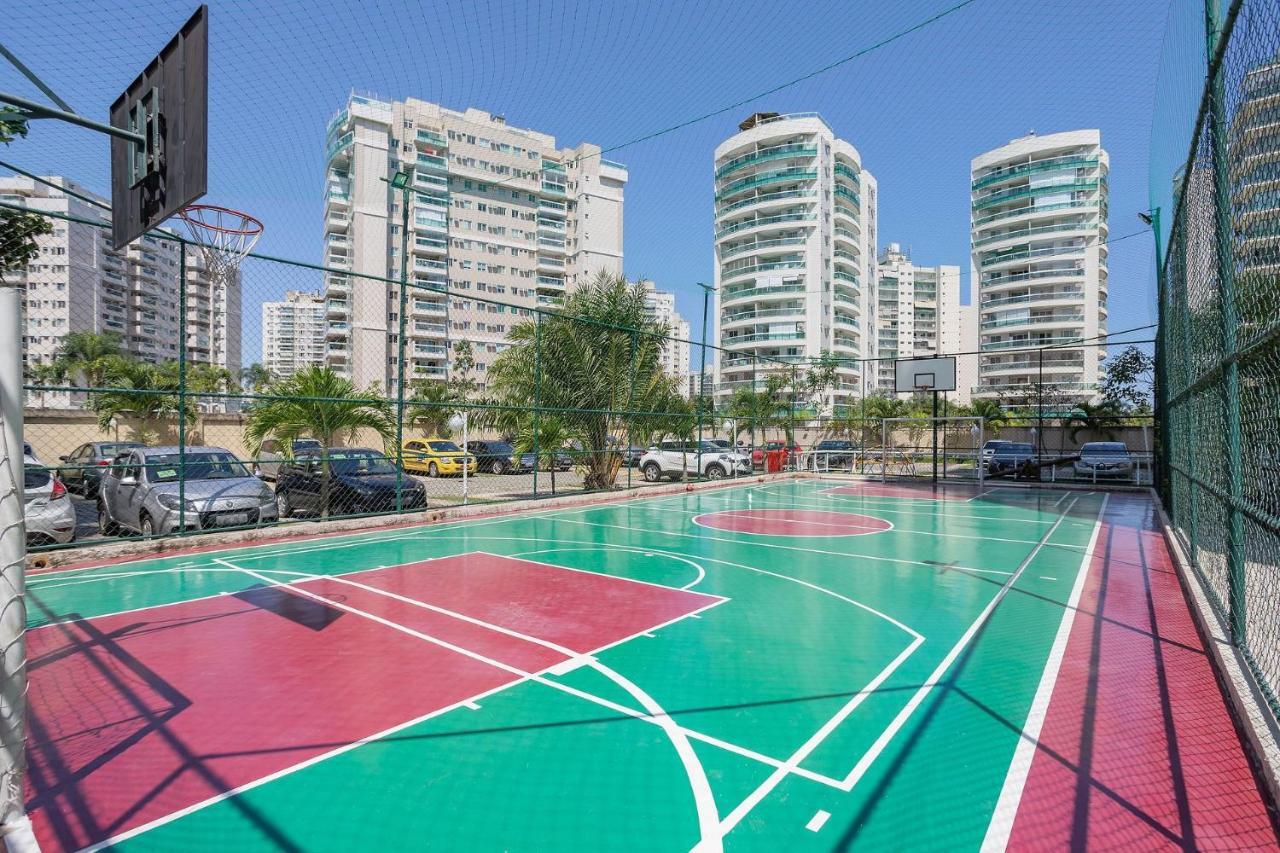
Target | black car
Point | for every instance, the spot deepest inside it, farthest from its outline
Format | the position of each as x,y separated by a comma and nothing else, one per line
84,466
499,457
1011,457
837,451
360,481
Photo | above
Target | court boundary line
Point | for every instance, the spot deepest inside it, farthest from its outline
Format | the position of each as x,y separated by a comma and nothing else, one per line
1005,811
867,532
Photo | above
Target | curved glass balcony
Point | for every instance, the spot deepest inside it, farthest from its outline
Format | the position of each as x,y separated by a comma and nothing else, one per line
1079,224
1022,212
764,179
758,268
764,155
1047,252
771,291
765,198
740,248
1053,164
766,220
1032,276
1030,192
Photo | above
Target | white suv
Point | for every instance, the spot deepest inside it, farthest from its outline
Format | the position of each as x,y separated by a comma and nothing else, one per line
673,458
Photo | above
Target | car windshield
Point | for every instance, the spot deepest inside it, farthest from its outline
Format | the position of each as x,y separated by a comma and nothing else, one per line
501,447
306,444
711,446
166,467
115,448
1011,449
996,444
359,463
1104,448
444,447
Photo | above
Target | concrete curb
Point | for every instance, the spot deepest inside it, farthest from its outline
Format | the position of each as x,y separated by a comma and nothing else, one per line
137,549
1260,729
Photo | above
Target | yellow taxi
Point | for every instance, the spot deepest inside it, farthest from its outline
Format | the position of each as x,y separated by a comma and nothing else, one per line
436,457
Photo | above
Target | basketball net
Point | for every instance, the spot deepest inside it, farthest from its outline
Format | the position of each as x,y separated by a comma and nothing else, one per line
225,236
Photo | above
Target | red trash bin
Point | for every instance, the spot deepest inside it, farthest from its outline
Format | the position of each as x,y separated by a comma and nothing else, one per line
773,461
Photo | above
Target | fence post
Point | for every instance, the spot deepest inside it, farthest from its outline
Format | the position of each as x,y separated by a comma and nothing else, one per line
400,358
537,396
1231,367
631,397
1183,331
182,385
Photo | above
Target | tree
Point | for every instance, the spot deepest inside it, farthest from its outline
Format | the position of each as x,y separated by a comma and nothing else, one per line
255,377
584,363
758,410
86,358
146,392
430,407
819,379
318,403
993,416
18,229
461,383
552,436
1127,381
1102,417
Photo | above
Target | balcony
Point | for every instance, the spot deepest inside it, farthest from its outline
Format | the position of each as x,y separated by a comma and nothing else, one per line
764,155
763,313
1070,162
339,145
1029,389
761,337
550,301
550,263
844,341
430,371
430,246
1022,298
1055,252
338,330
549,207
1072,319
740,248
1037,275
766,220
1037,210
766,198
428,308
550,281
1004,196
753,269
337,307
428,350
434,329
1074,224
339,283
1023,365
1029,343
553,188
842,191
781,176
337,222
431,138
773,291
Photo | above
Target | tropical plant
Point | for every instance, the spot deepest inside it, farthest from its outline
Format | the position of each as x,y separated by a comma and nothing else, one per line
585,362
85,358
754,410
992,414
552,435
461,383
318,403
1102,418
819,379
255,377
146,392
430,406
1127,381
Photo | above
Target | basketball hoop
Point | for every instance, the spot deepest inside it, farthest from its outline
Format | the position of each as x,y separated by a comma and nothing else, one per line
225,236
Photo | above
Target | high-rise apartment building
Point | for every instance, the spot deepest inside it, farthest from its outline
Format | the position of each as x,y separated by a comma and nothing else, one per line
918,314
293,332
80,284
496,212
795,224
1039,258
660,306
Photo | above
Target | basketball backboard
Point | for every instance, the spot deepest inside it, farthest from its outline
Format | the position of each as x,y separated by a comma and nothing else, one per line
914,375
168,103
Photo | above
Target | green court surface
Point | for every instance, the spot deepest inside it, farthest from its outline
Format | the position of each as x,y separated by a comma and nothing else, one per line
777,682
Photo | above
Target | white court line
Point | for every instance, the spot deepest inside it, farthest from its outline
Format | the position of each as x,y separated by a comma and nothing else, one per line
946,508
648,552
742,513
818,821
1006,809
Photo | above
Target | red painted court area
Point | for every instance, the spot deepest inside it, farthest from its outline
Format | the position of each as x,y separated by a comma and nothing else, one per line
797,523
1138,750
137,715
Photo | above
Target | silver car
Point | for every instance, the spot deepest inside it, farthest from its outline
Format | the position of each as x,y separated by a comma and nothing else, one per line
47,508
145,488
1104,459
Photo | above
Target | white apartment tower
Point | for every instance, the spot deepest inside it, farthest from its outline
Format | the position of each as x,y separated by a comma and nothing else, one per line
795,225
496,212
293,333
1039,229
918,314
660,305
80,284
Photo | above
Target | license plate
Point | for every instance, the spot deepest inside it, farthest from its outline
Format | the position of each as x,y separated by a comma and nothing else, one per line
231,519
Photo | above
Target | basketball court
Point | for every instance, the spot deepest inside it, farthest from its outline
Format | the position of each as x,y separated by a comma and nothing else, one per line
801,664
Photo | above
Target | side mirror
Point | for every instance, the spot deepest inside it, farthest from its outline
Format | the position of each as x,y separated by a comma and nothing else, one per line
62,458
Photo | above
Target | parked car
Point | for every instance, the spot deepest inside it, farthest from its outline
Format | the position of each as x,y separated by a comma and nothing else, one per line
837,451
87,462
757,454
1010,456
271,454
499,457
360,481
1104,459
673,458
632,455
155,490
990,447
563,459
47,507
436,457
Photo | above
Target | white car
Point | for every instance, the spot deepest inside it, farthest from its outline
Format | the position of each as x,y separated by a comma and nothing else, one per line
674,458
49,513
1104,459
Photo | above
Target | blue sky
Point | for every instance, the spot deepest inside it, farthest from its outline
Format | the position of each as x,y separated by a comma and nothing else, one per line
610,72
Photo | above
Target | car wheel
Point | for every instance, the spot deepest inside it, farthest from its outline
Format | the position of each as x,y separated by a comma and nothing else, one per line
106,526
432,470
284,507
652,473
715,472
497,467
148,526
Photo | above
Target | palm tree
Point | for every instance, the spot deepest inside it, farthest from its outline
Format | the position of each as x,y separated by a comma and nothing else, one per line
429,407
143,391
584,363
255,377
553,434
318,403
85,357
1104,417
992,414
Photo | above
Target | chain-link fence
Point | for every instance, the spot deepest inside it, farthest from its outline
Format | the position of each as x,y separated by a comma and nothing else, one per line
1218,365
178,402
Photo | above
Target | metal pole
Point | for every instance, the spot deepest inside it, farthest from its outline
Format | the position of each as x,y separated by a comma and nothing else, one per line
38,110
631,418
15,827
935,438
466,422
1230,321
182,388
400,356
537,395
702,369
